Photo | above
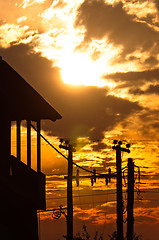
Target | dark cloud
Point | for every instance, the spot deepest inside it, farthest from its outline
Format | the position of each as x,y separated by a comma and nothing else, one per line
152,89
150,19
157,4
86,111
101,19
33,68
132,58
89,112
98,146
152,60
146,124
134,78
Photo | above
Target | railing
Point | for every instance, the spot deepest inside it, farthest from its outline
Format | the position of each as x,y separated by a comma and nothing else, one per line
27,183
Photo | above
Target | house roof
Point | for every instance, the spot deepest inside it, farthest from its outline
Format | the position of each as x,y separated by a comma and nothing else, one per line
19,101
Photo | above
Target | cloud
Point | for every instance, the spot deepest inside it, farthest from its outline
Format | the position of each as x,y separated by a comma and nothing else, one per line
156,4
147,214
152,89
143,125
99,146
27,3
86,111
32,67
14,33
60,4
152,61
28,11
89,112
136,78
120,28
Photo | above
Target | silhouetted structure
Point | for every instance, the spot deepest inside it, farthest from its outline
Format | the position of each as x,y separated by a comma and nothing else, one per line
22,188
70,149
130,201
119,149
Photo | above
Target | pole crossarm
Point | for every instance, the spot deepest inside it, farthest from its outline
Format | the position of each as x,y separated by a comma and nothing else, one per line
121,149
113,175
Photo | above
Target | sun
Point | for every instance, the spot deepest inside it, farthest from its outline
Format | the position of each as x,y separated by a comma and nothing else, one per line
83,67
80,69
63,44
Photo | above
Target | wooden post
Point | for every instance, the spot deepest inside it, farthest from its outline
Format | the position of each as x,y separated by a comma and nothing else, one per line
130,203
9,134
69,197
18,141
29,143
5,146
119,149
119,195
69,190
38,147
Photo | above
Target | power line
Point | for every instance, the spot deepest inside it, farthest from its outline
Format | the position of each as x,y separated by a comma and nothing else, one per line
50,143
148,191
62,153
87,195
78,204
148,199
55,174
102,202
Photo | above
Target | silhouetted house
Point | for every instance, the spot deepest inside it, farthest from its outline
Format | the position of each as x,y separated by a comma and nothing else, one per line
22,188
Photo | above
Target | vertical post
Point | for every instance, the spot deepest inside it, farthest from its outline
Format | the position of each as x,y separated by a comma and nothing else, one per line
9,134
18,141
38,147
119,195
77,178
69,189
130,203
69,197
29,143
5,145
119,149
9,147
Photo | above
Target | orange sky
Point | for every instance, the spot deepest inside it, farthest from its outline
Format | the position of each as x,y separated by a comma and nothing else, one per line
97,63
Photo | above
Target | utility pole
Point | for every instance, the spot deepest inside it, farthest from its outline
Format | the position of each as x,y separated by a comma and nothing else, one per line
70,149
119,149
130,201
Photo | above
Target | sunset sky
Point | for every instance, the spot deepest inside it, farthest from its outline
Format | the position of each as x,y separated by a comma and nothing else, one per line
97,63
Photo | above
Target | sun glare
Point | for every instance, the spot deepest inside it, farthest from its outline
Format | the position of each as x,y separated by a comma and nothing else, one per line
78,64
79,69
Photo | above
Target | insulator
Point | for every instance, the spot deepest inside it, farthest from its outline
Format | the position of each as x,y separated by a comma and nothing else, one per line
115,142
66,142
91,181
77,178
94,177
120,143
106,181
109,170
128,145
139,174
77,182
